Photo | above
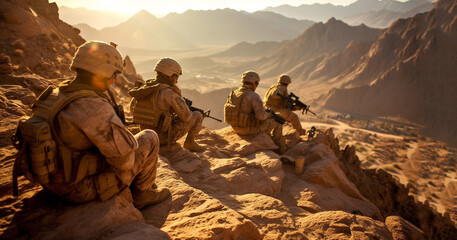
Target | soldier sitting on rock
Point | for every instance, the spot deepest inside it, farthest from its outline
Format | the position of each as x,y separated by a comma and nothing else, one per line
96,156
159,106
279,104
244,111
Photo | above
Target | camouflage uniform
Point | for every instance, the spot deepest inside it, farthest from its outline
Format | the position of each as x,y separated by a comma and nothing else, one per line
252,104
122,159
279,105
160,106
170,101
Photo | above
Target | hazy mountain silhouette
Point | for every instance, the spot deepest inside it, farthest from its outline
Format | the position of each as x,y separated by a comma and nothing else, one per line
197,28
304,53
409,72
322,12
94,18
231,26
143,30
384,17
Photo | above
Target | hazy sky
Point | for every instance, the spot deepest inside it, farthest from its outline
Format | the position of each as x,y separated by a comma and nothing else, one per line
161,7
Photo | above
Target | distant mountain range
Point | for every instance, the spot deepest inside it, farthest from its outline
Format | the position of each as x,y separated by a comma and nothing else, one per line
362,11
383,18
302,55
198,28
409,72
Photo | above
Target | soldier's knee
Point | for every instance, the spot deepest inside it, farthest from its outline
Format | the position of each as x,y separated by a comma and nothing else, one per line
147,137
197,116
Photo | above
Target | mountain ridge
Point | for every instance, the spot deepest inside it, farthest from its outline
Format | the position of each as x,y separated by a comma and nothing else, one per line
322,12
202,27
406,73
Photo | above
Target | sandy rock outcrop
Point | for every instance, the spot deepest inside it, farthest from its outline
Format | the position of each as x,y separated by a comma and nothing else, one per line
402,229
247,194
326,187
5,64
343,225
43,216
35,39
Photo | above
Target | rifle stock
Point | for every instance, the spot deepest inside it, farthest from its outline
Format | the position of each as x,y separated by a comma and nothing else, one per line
278,118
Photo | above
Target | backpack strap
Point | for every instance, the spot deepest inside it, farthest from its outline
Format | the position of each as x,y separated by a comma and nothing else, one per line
48,108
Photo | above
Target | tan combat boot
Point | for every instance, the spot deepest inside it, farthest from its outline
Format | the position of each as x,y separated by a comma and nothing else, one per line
192,145
149,197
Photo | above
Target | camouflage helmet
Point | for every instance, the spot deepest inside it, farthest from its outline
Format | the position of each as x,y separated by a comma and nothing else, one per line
250,77
98,58
168,67
284,79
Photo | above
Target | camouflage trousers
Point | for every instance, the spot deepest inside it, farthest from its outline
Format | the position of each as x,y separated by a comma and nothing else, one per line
108,182
270,126
290,117
180,128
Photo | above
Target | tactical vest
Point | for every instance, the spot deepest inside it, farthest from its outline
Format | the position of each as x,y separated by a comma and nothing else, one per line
41,151
146,110
232,110
274,102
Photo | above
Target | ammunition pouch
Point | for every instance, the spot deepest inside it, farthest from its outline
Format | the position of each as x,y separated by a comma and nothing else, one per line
231,114
248,120
36,134
107,185
89,164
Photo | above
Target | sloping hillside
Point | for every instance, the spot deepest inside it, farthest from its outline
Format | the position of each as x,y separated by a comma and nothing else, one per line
35,39
383,18
409,73
316,54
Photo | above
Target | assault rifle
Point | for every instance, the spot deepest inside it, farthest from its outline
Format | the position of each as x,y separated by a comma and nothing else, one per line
278,118
293,102
119,109
205,113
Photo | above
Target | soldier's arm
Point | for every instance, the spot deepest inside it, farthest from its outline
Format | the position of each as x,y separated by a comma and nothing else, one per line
258,108
177,103
97,120
283,92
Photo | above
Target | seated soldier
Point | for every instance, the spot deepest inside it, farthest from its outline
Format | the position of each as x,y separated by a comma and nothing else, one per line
278,104
159,106
98,156
244,111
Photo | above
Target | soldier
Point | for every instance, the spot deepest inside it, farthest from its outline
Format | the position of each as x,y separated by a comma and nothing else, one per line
244,111
279,104
99,157
160,106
